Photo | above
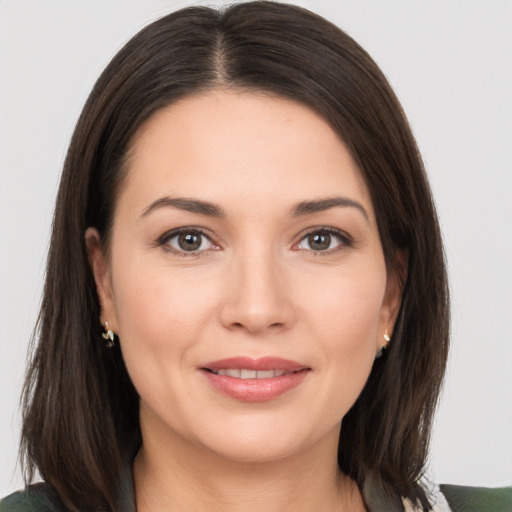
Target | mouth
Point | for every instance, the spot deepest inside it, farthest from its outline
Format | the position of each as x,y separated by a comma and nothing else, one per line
244,373
254,380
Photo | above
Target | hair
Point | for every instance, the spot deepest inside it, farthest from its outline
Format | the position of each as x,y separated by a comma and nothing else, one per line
80,409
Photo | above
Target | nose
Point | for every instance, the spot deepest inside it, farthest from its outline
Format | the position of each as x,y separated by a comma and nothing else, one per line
256,296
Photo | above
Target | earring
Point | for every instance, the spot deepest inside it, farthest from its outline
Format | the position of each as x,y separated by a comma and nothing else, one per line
382,349
108,335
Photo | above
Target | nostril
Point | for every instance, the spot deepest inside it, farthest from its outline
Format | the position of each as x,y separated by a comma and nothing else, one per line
254,326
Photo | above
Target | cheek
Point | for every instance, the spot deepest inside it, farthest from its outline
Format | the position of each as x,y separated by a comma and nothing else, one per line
345,317
160,314
347,309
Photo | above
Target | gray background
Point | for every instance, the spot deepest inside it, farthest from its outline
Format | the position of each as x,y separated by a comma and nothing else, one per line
450,62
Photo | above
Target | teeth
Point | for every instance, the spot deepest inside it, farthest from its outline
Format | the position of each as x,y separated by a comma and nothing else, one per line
250,374
266,374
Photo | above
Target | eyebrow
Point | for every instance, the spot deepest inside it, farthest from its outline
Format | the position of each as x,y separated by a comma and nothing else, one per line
189,205
320,205
214,210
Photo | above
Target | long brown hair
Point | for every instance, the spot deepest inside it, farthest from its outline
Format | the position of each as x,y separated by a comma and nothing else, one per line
81,425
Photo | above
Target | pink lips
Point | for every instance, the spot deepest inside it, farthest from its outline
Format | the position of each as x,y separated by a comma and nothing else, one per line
254,380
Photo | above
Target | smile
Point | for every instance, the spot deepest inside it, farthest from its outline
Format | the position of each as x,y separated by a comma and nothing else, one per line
254,380
237,373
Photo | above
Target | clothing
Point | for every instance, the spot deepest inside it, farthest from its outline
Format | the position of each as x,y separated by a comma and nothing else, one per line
439,502
478,499
449,498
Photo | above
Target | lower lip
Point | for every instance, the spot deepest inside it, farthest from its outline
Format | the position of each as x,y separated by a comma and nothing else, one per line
255,390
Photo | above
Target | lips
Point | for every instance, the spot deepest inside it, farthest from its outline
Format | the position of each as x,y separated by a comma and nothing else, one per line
254,380
245,373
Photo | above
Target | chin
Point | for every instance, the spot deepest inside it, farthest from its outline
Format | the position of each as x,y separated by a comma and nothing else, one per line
267,441
257,451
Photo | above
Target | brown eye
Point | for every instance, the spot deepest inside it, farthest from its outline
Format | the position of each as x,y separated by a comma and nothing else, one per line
319,241
189,241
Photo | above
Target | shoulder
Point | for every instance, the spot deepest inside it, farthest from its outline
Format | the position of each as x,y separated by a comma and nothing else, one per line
460,498
436,498
35,498
478,499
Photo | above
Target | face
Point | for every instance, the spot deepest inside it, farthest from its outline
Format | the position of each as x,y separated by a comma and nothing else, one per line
245,278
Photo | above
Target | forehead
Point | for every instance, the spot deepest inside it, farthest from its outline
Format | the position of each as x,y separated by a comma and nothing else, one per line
240,148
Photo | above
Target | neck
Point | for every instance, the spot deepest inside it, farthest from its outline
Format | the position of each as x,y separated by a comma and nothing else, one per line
183,476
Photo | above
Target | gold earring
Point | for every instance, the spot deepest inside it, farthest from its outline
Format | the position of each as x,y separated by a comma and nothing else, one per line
108,335
382,349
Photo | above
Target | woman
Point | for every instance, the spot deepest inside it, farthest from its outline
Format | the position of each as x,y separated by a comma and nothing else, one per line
243,225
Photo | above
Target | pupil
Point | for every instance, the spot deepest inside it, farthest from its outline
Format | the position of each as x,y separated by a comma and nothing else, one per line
189,241
319,242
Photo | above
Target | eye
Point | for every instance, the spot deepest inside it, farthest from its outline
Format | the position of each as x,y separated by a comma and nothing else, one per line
187,241
323,240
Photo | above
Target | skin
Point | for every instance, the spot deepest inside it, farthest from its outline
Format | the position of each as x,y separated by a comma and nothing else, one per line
254,288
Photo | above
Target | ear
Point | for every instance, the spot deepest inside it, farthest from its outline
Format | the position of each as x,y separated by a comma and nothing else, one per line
99,264
393,297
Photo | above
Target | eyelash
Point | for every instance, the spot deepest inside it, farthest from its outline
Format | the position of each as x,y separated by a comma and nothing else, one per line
345,241
164,240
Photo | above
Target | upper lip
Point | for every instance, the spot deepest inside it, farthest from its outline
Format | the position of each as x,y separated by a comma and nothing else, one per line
262,364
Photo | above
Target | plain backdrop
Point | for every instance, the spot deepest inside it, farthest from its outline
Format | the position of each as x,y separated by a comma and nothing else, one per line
449,61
